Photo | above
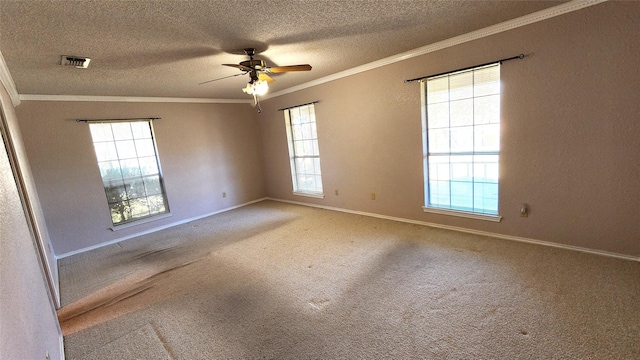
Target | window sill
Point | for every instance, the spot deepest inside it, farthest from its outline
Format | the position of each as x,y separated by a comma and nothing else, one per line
311,195
139,222
464,214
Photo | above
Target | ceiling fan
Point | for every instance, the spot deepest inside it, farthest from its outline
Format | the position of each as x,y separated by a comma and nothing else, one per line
259,74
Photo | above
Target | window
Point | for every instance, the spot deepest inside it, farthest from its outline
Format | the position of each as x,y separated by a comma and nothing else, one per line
461,132
130,169
303,150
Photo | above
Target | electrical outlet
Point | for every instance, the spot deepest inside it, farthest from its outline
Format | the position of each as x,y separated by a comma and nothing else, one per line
373,196
224,194
524,210
337,192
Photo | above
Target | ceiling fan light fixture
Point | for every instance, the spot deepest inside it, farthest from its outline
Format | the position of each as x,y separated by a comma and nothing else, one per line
259,87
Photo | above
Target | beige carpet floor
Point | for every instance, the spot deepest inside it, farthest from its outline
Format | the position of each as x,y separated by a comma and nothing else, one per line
280,281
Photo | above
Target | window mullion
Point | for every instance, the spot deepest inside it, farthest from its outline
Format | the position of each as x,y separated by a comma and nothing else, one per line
473,140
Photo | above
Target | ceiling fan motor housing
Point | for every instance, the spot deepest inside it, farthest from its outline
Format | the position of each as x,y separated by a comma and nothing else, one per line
254,64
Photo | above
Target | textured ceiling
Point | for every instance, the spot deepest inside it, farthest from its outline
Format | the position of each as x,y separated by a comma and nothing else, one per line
166,48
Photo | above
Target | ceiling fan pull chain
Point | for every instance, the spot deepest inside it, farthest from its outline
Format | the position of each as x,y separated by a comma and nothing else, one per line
256,100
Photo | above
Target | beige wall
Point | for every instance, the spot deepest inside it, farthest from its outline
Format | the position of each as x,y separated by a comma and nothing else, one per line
570,144
204,149
28,324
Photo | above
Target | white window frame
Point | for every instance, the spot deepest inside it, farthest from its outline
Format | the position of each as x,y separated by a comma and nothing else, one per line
134,149
304,153
433,175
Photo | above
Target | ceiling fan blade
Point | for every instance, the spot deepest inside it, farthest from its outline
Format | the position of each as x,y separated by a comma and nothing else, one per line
281,69
225,77
238,66
267,78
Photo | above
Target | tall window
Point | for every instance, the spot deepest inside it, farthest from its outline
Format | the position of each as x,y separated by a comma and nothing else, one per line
462,137
130,169
303,150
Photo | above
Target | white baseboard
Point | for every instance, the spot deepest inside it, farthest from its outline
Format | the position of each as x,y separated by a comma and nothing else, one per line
62,356
469,231
410,221
111,242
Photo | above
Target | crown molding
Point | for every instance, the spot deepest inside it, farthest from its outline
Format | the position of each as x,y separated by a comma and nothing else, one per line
7,81
32,97
474,35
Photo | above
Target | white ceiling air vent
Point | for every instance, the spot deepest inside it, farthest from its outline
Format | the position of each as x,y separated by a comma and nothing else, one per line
77,61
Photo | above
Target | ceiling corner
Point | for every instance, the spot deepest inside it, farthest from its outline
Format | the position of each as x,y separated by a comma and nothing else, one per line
7,82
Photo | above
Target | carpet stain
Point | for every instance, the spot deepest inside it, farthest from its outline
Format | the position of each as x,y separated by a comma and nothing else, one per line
318,304
156,252
112,301
163,341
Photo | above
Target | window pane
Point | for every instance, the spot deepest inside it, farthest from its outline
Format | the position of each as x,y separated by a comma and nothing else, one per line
462,168
297,132
121,131
152,185
306,131
486,198
486,168
439,193
461,86
148,166
305,182
115,191
295,116
139,208
106,151
110,170
156,204
439,140
126,149
130,168
438,90
462,139
299,163
141,130
461,112
487,81
135,189
317,181
120,212
462,195
438,116
308,165
307,148
439,168
486,110
101,132
304,114
487,137
145,147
